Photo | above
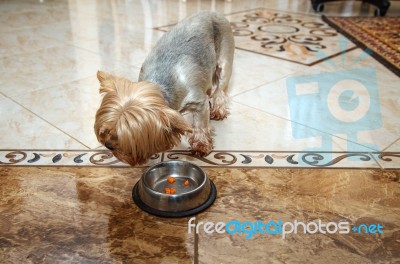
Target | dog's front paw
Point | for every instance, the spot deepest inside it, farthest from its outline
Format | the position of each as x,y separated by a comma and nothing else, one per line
201,143
218,106
201,149
219,114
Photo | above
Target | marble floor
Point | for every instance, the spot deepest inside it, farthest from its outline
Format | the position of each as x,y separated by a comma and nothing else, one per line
298,144
86,215
290,94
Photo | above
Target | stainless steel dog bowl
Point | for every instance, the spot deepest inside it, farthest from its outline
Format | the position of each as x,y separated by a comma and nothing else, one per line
149,195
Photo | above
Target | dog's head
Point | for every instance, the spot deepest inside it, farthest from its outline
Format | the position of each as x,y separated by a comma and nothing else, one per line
134,120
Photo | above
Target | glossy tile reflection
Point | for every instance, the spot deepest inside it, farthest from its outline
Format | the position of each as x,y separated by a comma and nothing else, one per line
67,199
356,196
65,114
353,67
17,132
50,52
87,215
77,216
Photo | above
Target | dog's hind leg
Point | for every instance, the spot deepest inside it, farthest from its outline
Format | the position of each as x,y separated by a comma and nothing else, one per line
224,46
219,99
201,138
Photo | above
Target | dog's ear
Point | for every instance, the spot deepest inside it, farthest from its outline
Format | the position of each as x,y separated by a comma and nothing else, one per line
102,76
106,82
178,124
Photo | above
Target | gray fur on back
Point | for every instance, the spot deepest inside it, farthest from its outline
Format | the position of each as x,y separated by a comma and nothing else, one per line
184,61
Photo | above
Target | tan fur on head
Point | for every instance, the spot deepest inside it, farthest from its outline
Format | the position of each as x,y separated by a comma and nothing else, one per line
134,120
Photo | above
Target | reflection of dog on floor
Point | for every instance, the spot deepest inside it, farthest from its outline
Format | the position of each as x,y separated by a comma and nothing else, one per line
187,71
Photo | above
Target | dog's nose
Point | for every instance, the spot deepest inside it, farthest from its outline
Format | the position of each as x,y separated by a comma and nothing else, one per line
109,145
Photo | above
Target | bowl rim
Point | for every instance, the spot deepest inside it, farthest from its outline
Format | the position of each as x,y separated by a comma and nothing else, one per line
177,194
174,214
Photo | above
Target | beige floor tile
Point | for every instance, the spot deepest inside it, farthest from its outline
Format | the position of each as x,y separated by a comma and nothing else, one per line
158,13
82,28
29,5
368,117
390,158
47,68
395,146
131,48
245,78
388,106
247,128
22,41
27,18
72,107
21,129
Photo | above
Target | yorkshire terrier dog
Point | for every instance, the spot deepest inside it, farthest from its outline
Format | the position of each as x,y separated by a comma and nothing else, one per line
187,71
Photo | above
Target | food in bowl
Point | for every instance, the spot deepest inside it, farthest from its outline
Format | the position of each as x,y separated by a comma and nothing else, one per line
169,191
186,183
171,179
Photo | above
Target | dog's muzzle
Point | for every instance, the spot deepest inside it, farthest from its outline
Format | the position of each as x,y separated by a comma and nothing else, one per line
109,145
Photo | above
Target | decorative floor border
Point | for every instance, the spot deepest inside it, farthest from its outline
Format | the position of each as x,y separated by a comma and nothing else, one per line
237,159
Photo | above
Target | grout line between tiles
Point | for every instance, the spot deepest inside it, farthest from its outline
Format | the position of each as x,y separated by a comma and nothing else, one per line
306,126
266,83
30,111
69,81
373,157
32,51
397,140
45,88
303,70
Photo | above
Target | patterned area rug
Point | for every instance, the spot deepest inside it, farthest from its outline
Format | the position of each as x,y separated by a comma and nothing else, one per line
381,35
